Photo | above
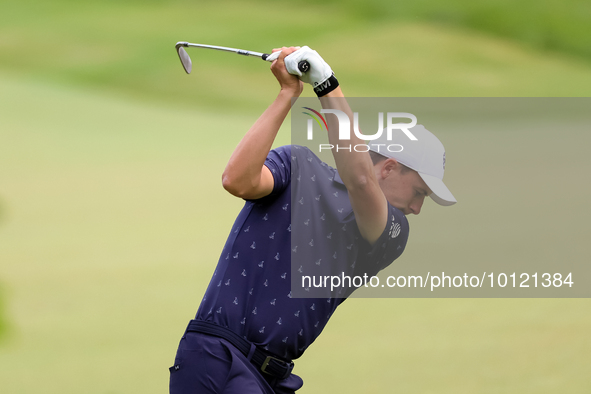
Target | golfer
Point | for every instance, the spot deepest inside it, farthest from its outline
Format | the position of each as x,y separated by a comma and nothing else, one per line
349,220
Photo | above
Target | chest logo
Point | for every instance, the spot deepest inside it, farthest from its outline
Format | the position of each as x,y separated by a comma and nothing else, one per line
395,230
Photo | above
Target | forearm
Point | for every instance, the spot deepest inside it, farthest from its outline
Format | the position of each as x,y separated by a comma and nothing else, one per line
243,171
355,168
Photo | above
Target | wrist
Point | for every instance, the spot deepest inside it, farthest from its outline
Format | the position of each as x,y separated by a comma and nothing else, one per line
290,92
337,92
326,87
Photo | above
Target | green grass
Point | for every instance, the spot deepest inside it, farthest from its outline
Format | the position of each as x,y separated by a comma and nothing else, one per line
452,346
112,213
546,25
395,50
105,252
114,217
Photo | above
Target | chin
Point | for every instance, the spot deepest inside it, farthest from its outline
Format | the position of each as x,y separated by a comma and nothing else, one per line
404,211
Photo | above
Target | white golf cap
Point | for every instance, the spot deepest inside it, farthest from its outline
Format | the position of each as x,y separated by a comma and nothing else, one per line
426,156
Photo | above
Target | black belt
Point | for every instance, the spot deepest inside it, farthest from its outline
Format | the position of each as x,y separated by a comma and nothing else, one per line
267,363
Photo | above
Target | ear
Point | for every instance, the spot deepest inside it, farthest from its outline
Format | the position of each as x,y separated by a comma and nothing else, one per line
388,167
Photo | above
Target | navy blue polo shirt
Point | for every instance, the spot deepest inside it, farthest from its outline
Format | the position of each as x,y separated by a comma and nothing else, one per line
306,226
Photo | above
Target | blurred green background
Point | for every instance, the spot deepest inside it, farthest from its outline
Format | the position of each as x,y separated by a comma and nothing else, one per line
112,213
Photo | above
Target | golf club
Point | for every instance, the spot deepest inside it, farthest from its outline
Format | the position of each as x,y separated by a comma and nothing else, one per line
180,46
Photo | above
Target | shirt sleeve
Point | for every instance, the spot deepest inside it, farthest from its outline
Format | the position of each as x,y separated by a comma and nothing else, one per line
389,245
279,163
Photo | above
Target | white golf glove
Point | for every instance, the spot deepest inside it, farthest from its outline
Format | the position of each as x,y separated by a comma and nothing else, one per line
320,75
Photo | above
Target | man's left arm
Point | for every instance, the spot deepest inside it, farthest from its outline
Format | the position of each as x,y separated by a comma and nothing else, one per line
355,168
357,172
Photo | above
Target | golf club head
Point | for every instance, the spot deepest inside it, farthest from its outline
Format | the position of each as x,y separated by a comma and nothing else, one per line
185,59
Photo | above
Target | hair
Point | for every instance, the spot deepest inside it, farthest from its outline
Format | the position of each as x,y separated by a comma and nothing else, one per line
378,158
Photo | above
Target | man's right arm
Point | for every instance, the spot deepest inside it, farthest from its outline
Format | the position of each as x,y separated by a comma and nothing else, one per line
245,175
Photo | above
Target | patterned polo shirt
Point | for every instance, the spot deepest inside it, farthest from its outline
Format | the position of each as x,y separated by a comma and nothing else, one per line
305,227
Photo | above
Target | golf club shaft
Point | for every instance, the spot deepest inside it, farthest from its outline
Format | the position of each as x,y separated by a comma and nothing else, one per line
303,66
218,48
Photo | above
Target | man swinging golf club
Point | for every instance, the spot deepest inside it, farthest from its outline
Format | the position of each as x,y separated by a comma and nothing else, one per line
249,326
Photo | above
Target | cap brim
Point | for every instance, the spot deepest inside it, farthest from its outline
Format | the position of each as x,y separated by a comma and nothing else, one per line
441,194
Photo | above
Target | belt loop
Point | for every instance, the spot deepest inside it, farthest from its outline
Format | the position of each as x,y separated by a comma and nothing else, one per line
251,352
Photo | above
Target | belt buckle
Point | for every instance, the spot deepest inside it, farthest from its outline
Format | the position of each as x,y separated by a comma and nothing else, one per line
267,361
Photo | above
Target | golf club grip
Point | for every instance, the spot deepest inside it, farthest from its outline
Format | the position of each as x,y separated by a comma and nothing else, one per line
303,65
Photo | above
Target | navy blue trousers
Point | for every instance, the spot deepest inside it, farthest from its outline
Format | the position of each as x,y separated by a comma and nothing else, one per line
205,364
